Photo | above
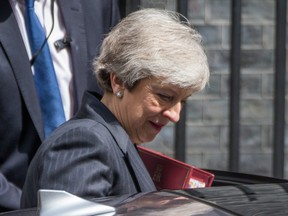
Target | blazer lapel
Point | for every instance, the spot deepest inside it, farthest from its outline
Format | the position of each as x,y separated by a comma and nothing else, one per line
72,14
132,157
11,41
143,177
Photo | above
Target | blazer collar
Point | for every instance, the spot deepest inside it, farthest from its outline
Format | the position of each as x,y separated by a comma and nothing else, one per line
92,108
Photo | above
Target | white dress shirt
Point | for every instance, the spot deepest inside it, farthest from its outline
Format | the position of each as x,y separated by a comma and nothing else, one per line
61,59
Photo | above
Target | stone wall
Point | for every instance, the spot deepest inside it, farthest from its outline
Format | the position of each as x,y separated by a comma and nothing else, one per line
208,112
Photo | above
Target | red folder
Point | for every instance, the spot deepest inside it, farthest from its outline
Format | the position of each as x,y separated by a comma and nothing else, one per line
169,173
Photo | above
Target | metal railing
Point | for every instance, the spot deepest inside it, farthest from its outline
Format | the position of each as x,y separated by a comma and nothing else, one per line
279,89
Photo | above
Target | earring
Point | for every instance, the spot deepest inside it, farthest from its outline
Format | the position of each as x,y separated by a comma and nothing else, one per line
119,94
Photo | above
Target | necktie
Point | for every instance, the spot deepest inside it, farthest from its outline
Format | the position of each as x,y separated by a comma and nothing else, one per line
44,74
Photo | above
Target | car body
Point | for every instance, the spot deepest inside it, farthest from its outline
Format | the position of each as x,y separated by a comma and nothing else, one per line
230,194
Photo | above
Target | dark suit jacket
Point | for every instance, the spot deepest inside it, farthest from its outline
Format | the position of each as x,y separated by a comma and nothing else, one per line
21,129
90,156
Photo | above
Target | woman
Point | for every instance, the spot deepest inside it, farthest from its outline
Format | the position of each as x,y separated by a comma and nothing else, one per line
149,65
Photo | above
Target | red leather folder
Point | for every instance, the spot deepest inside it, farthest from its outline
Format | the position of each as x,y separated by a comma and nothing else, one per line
169,173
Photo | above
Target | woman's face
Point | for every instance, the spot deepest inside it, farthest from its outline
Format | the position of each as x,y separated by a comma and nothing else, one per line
149,107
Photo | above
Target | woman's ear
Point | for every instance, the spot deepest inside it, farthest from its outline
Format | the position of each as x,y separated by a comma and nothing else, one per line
116,83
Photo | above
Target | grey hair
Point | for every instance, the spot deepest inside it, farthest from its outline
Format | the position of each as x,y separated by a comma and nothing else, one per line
153,43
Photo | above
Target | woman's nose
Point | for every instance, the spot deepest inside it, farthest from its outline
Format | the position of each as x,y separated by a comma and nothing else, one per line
173,113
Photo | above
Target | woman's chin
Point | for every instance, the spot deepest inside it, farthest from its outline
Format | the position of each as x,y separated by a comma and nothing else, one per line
149,139
144,140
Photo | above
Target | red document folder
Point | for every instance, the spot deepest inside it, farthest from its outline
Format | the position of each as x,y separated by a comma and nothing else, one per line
169,173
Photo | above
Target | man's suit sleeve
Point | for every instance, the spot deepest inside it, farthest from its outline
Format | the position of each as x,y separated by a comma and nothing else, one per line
9,195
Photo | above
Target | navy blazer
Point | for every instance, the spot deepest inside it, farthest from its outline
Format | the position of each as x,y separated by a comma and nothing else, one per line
21,128
90,156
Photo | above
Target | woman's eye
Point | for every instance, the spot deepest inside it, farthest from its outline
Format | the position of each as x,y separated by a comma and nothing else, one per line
165,97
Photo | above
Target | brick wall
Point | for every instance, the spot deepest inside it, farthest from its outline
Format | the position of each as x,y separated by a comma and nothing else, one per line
208,111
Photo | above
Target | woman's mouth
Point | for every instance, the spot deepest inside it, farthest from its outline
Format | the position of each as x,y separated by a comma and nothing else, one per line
157,126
